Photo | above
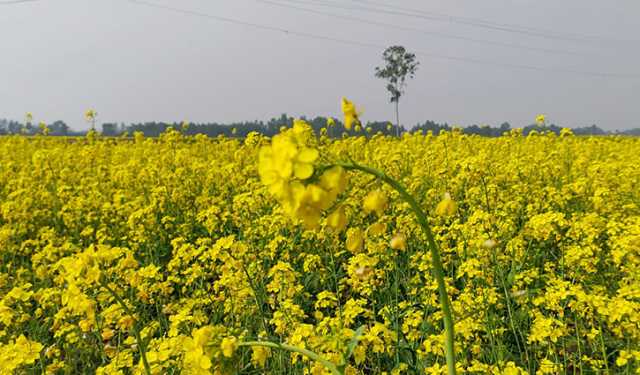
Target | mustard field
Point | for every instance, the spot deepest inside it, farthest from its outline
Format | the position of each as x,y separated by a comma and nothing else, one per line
300,254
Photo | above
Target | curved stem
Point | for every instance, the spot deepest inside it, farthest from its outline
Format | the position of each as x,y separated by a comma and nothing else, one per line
136,331
329,365
438,269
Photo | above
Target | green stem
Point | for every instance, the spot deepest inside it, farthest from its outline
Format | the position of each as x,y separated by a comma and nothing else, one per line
136,331
438,269
605,358
254,288
396,312
329,365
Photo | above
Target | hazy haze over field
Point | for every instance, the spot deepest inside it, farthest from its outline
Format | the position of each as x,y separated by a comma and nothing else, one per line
135,63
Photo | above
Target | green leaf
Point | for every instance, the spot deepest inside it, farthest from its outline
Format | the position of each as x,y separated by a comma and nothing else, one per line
353,343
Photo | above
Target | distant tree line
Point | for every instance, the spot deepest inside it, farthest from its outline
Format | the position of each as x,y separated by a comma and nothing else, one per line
490,131
16,127
272,127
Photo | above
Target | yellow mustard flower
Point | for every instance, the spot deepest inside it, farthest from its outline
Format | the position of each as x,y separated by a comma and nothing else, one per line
90,115
337,219
447,206
376,201
284,159
355,240
229,346
351,115
376,229
259,355
307,203
398,242
330,122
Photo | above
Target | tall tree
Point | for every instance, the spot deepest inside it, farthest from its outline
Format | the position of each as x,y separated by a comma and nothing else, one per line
398,66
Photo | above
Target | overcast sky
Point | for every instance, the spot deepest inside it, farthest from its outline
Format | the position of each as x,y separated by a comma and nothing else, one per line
134,63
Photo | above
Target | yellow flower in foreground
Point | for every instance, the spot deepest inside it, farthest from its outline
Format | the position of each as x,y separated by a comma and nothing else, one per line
107,334
337,220
489,244
285,158
307,203
260,355
355,240
197,359
20,352
350,114
376,229
541,119
334,180
447,206
287,162
229,346
399,242
548,367
375,201
623,358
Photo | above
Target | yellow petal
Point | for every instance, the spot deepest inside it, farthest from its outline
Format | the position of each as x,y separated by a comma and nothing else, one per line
205,363
303,170
285,169
355,240
308,155
337,220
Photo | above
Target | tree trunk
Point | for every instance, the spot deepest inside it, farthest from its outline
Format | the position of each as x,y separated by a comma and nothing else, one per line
397,119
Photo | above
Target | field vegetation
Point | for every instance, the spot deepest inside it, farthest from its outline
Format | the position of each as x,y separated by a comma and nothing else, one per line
301,254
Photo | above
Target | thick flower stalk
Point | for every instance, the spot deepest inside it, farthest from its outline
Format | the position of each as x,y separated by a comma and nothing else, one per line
438,269
286,167
335,370
135,327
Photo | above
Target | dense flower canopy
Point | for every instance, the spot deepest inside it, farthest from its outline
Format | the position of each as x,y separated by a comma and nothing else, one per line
210,243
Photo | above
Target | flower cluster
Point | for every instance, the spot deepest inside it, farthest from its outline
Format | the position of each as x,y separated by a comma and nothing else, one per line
286,167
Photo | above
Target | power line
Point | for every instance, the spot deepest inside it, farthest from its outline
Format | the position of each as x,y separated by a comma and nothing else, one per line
432,33
468,20
460,20
378,46
11,2
254,25
474,22
478,21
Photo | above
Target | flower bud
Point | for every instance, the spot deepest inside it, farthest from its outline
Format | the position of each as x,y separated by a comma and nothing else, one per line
446,207
399,242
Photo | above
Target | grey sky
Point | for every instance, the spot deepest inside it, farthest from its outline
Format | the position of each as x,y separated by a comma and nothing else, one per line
134,63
